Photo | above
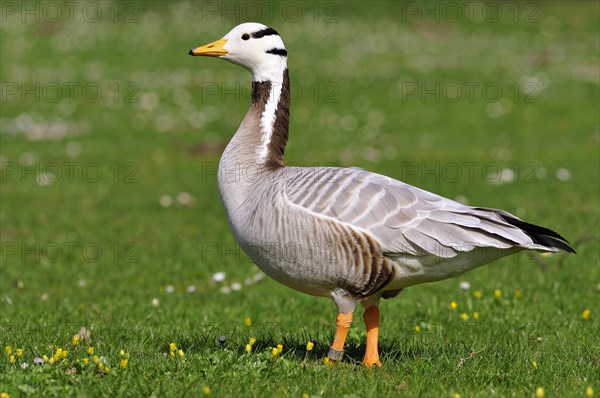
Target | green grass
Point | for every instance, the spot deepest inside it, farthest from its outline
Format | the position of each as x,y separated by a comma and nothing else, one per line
349,110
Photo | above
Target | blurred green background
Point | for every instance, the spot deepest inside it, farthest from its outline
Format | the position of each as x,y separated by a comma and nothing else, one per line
110,217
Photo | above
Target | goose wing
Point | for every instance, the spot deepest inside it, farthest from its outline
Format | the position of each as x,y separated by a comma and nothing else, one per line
406,219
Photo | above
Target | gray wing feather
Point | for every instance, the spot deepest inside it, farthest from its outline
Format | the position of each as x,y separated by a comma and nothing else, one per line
403,218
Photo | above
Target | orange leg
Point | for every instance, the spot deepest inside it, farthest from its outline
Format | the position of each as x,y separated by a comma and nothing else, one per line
342,325
371,317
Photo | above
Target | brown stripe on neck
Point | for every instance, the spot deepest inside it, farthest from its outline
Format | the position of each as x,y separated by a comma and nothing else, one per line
260,95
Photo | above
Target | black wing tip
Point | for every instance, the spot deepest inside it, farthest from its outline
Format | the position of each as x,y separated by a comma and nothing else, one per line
540,235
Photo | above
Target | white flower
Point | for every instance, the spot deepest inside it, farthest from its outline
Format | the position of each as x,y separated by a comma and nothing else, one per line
219,277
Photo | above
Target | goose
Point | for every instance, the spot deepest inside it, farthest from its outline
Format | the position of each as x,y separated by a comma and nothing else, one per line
344,233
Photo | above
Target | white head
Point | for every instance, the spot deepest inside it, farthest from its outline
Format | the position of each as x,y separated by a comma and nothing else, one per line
254,46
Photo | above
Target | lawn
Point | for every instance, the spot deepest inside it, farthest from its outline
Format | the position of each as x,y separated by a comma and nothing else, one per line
113,236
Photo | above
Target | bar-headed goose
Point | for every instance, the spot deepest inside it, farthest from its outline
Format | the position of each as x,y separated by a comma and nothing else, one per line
343,233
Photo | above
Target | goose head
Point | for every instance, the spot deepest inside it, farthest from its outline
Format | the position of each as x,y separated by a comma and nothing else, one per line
254,46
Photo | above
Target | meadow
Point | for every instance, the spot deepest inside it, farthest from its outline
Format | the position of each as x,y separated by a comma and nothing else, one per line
119,275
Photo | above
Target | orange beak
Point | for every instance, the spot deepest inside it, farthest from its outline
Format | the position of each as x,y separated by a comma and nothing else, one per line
214,49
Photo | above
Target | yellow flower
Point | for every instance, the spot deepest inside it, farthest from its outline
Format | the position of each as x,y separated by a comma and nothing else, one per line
497,293
476,315
107,370
464,316
8,350
180,353
172,346
309,346
4,395
539,392
11,359
122,353
326,360
585,315
206,390
19,352
90,350
279,348
85,361
51,360
45,358
64,353
252,341
124,362
453,305
534,364
75,341
95,359
589,392
518,294
305,395
456,395
172,354
100,365
248,321
248,348
274,352
417,329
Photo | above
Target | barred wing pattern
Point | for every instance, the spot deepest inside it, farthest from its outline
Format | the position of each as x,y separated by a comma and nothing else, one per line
405,219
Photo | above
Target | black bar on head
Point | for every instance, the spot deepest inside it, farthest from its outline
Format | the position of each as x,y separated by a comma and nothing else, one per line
264,32
278,51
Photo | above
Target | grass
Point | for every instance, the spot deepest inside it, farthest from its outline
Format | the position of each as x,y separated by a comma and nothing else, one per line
86,242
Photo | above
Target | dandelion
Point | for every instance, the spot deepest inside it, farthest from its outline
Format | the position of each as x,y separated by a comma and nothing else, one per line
464,285
51,360
248,321
124,362
248,348
172,354
100,366
477,294
95,359
497,293
309,346
11,359
64,353
252,341
4,395
19,352
45,358
518,294
476,315
534,364
172,347
539,392
8,350
181,353
279,348
589,392
122,353
326,361
585,315
453,305
464,316
75,341
305,395
107,370
456,395
417,329
206,390
90,350
274,352
85,361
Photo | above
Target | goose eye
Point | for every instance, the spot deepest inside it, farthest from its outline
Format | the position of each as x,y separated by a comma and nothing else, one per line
245,36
